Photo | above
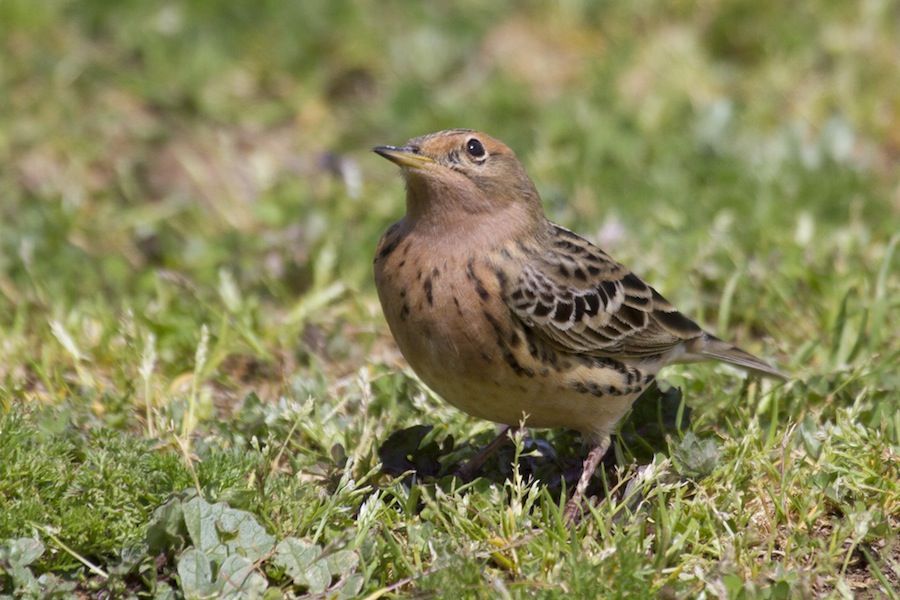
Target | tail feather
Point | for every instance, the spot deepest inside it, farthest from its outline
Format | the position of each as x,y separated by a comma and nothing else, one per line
710,347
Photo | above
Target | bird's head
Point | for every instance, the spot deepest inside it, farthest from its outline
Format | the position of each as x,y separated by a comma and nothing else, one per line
461,172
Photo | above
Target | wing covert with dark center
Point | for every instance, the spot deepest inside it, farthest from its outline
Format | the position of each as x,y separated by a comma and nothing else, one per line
579,298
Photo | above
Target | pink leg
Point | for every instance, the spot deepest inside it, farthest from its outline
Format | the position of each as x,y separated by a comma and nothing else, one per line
468,470
573,506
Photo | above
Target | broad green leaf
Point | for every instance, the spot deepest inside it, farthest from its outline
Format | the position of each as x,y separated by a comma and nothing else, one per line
733,585
53,586
221,531
200,518
166,528
194,573
808,436
351,586
317,577
22,578
164,592
295,555
243,534
301,560
342,562
695,458
24,551
238,579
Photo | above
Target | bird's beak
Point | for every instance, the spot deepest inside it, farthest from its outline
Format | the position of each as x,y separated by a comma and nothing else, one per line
405,156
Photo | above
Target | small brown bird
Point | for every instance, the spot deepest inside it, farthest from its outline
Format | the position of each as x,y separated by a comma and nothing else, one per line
512,318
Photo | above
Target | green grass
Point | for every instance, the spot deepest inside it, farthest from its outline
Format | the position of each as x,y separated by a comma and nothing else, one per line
188,212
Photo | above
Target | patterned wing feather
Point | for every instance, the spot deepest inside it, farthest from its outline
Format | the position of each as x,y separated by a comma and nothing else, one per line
583,301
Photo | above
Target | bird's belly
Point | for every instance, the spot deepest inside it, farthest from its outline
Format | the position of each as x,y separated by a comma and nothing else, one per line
485,379
510,401
501,395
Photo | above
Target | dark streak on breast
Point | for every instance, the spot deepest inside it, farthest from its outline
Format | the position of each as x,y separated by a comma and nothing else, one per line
508,356
427,286
479,286
501,279
387,249
542,352
391,242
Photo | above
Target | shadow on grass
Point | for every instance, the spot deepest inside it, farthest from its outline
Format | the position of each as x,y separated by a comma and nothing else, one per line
554,459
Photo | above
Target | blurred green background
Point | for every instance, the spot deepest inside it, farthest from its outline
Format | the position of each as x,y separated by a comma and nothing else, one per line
147,146
170,165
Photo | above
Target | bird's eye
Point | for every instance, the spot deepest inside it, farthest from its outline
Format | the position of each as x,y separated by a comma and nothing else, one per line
474,148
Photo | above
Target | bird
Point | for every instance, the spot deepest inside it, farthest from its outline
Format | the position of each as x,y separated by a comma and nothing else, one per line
512,318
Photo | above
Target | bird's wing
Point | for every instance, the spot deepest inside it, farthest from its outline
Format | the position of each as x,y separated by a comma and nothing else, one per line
581,300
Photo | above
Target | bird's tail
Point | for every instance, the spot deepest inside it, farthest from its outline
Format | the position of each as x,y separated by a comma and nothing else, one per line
709,346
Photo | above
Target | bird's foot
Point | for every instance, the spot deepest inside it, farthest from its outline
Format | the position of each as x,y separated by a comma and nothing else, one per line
572,511
468,471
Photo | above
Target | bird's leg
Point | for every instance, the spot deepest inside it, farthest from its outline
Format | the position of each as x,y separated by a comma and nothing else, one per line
593,459
468,470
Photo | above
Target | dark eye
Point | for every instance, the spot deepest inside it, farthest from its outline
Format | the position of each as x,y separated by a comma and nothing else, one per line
474,148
